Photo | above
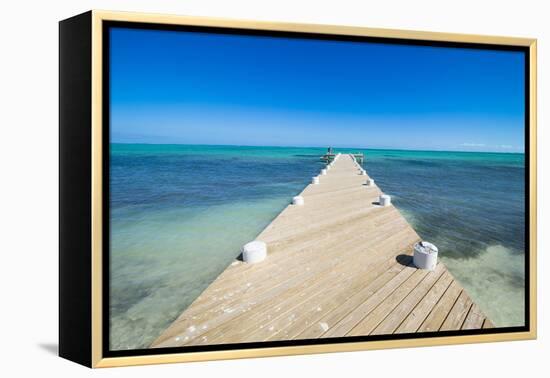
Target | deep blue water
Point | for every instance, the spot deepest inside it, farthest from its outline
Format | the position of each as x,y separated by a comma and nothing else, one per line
179,215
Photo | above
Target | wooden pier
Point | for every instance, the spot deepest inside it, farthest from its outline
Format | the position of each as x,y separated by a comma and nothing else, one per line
339,265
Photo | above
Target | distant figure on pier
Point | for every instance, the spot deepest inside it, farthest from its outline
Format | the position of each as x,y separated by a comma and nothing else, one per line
329,151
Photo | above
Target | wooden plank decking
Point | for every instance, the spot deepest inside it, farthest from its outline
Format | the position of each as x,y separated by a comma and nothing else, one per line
339,265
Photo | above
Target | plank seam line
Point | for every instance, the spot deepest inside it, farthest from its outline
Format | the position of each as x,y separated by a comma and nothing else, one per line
367,314
451,309
441,277
435,305
401,301
350,311
307,299
379,304
467,313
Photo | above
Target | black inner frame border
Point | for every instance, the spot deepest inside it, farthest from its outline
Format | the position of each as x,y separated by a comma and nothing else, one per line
106,27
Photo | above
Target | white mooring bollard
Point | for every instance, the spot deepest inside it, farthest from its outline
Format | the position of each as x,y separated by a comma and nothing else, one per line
315,180
425,255
254,252
298,200
384,200
363,172
370,182
323,172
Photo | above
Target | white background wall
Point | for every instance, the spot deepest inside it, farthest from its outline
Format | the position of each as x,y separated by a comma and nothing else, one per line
28,148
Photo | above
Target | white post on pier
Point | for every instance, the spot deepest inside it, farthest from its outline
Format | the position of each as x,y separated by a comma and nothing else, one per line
425,255
254,252
370,182
315,180
384,200
298,200
323,172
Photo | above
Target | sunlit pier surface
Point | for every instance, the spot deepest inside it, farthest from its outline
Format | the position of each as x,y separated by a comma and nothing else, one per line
338,265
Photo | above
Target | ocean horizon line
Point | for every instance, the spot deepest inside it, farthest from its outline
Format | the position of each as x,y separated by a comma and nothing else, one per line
324,147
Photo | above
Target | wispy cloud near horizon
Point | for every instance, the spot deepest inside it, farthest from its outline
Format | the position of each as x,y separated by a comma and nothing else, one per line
490,147
473,144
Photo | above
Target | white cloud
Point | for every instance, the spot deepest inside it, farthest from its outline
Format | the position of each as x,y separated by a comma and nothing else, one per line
473,144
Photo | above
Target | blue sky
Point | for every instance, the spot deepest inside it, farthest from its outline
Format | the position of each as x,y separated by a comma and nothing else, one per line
198,88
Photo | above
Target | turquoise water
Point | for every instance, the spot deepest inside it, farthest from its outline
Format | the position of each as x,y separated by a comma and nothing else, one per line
180,213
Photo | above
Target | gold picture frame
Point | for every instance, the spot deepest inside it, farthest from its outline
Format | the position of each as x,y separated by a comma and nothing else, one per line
94,22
